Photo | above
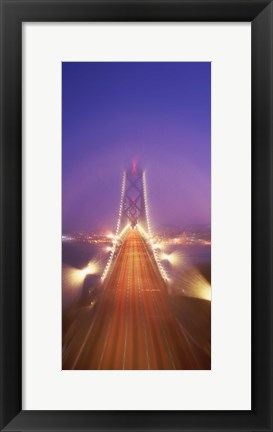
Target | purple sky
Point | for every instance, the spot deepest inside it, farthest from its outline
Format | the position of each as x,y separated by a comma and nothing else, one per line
156,113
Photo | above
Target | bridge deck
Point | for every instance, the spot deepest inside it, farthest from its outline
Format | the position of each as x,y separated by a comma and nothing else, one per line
132,325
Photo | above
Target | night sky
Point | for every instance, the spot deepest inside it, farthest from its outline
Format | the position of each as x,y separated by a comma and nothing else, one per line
158,114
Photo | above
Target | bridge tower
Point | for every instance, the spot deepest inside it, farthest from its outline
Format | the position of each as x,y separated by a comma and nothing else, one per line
134,210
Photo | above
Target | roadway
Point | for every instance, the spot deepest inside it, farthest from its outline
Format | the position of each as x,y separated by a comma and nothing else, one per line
131,325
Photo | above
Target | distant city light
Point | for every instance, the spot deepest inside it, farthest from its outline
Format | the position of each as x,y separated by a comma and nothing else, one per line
110,235
67,238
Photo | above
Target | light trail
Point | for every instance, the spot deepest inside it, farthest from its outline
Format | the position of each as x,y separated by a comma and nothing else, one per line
192,283
132,325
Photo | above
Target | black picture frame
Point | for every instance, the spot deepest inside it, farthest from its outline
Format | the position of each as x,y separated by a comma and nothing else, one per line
13,14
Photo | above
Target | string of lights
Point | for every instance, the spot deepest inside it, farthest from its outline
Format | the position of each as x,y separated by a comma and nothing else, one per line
116,236
149,235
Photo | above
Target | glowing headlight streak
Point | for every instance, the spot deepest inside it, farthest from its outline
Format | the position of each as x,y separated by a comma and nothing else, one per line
117,235
204,289
194,284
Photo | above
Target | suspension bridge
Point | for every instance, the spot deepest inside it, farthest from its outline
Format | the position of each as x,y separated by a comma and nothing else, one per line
132,324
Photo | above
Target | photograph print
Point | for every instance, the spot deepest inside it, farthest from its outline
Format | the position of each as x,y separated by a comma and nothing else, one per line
136,216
